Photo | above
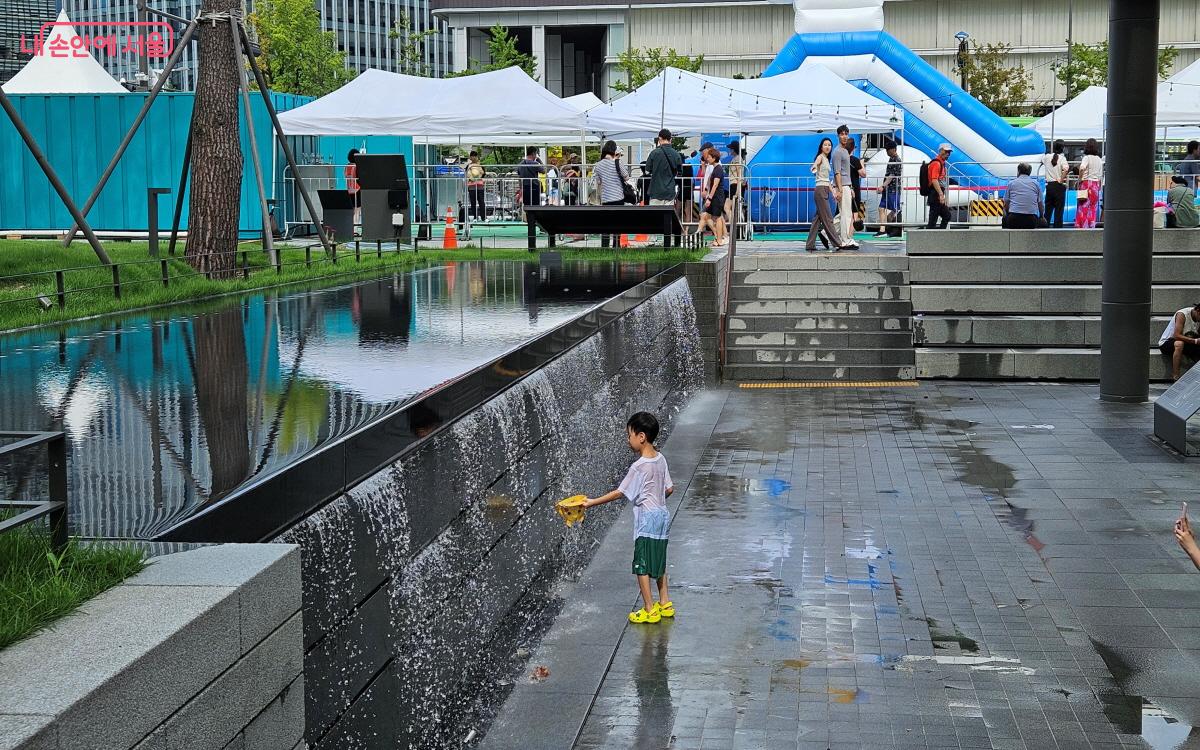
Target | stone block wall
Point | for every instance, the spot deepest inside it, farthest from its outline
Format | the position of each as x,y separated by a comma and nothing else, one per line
203,649
416,580
1025,304
707,281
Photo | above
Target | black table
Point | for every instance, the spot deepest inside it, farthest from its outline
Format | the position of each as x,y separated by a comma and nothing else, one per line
555,220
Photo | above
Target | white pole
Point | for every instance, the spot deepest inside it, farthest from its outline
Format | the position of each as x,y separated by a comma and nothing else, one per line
583,182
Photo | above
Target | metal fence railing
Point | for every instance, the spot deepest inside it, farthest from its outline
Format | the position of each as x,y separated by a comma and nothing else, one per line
54,507
778,196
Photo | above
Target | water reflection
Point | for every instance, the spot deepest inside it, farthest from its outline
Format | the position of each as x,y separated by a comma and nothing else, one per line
170,410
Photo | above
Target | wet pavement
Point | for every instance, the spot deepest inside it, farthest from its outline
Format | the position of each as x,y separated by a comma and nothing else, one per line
946,566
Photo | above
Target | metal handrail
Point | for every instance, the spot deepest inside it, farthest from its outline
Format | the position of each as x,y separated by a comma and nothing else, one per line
56,506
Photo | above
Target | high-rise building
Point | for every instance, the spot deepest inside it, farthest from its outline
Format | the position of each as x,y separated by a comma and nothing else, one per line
362,29
17,18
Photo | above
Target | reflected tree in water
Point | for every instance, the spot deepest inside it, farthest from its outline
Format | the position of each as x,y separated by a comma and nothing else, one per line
221,374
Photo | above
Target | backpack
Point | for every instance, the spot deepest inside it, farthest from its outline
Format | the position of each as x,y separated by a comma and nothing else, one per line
923,179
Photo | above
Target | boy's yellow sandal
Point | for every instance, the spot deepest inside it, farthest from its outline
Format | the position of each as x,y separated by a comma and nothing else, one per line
665,610
643,616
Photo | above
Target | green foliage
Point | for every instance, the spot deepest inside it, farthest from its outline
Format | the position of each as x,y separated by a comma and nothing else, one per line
641,65
297,56
1088,66
410,50
1001,87
502,48
38,587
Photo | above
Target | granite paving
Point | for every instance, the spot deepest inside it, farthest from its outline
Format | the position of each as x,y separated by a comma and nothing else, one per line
953,565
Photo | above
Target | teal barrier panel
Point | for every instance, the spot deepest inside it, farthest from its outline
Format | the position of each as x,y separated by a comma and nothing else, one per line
80,132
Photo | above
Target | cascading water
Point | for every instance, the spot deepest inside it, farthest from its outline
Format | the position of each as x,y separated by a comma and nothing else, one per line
413,579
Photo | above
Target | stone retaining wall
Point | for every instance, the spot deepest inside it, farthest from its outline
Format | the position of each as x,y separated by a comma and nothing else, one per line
203,649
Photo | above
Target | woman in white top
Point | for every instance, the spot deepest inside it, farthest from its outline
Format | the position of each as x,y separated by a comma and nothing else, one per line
1056,168
824,218
1091,172
611,174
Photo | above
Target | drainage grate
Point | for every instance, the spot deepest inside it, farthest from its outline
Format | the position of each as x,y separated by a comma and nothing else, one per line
836,384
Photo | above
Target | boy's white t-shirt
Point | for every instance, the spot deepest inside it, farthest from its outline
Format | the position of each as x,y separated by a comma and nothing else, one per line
646,485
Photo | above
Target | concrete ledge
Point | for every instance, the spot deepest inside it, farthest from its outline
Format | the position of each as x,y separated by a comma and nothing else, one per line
801,261
743,373
1042,269
1034,299
1066,331
1021,364
184,655
1035,241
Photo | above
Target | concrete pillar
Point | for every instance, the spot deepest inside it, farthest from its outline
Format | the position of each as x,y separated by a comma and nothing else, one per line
1128,199
460,49
539,54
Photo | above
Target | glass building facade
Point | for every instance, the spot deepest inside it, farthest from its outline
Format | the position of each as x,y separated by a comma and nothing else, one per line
361,27
19,17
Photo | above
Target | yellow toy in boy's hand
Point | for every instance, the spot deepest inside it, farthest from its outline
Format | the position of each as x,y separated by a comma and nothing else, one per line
571,509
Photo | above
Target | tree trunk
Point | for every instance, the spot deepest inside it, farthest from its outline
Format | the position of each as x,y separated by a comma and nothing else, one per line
216,151
221,375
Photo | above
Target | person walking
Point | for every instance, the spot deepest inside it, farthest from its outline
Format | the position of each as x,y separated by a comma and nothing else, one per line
1056,168
889,192
663,165
843,189
1189,166
939,189
712,211
611,176
857,171
350,173
1023,200
530,171
1091,173
476,205
736,169
824,218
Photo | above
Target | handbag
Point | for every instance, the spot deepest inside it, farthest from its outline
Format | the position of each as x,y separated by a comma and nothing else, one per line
630,195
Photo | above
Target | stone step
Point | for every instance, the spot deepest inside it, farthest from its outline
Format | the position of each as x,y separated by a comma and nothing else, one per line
1017,330
821,340
802,261
1031,242
836,322
1040,269
820,308
847,277
891,293
987,363
750,355
748,373
1033,299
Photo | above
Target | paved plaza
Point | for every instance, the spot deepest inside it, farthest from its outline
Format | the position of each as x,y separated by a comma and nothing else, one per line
943,566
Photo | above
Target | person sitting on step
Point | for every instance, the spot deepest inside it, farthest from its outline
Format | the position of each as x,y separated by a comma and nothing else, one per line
1180,340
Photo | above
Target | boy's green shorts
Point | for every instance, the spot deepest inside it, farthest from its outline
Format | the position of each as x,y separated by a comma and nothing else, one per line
649,557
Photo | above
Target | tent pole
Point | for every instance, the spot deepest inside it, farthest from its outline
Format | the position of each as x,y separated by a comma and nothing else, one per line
240,53
583,183
172,61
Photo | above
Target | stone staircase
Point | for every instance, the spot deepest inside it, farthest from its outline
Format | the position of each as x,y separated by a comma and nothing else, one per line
800,316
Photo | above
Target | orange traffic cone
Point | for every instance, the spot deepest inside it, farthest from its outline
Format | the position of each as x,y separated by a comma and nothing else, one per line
450,237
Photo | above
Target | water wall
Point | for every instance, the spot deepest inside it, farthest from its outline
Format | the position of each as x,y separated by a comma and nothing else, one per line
416,579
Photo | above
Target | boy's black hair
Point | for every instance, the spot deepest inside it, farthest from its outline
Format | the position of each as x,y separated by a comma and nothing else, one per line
646,423
843,130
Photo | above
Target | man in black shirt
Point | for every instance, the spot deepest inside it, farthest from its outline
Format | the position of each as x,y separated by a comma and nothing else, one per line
528,171
857,172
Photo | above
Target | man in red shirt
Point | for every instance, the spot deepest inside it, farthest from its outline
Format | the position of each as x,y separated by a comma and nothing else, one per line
939,188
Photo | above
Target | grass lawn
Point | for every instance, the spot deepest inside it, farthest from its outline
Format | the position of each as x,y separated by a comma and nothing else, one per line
37,588
89,289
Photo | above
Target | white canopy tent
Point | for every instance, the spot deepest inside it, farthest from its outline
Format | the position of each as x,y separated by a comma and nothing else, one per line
472,109
1085,116
808,99
1179,99
1077,120
47,74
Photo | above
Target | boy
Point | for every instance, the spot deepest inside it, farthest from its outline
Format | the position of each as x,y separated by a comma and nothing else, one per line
647,484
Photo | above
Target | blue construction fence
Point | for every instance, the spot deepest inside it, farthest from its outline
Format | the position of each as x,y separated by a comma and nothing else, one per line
80,132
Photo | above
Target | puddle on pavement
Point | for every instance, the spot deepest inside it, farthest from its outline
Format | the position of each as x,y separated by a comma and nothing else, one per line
1132,714
722,494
